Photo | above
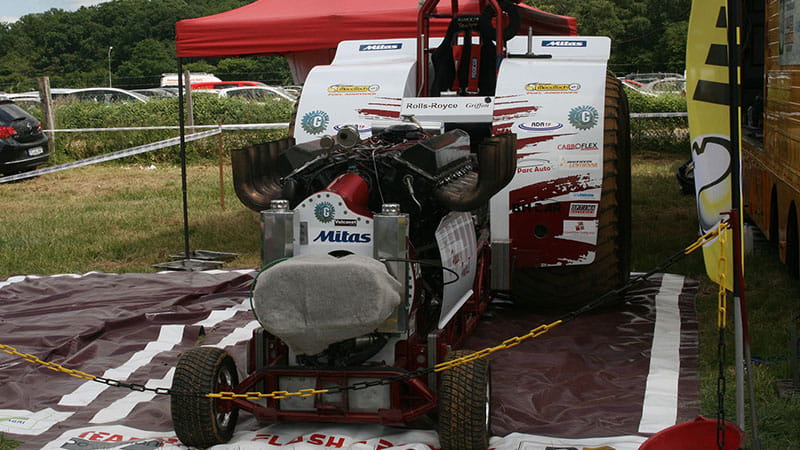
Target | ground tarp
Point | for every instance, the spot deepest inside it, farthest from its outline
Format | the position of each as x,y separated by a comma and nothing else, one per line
609,378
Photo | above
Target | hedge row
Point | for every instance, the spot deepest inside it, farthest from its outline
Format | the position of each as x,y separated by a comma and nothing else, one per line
208,110
666,135
658,134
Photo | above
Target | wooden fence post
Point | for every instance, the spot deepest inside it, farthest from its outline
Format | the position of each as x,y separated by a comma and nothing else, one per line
47,111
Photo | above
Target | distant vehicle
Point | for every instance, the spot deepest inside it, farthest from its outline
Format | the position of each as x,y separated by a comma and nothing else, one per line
23,145
257,93
293,90
675,85
106,95
33,96
636,86
646,78
171,79
157,92
225,84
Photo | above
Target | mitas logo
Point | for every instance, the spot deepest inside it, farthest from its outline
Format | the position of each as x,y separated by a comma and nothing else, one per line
343,236
563,43
379,47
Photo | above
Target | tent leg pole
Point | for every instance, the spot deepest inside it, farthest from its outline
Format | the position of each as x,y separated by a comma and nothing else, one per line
182,124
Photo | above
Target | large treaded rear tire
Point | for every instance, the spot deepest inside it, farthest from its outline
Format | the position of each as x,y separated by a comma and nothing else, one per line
464,399
567,287
201,421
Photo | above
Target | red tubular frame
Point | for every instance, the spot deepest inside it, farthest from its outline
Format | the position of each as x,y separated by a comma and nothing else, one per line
409,398
397,414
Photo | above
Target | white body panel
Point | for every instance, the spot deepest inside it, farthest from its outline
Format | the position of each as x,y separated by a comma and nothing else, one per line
555,105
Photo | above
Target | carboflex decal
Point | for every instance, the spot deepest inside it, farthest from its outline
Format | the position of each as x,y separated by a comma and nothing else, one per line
579,146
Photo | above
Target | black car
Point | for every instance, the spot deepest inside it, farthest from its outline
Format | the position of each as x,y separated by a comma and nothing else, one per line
23,146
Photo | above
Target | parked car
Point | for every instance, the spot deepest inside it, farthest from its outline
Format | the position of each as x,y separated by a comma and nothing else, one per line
107,95
676,85
257,93
23,145
171,79
225,84
157,92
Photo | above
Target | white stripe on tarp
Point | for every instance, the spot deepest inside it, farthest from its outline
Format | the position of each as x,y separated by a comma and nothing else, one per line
239,334
222,315
121,408
660,406
168,337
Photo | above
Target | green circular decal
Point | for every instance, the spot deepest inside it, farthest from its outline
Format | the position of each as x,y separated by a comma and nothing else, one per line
315,122
583,117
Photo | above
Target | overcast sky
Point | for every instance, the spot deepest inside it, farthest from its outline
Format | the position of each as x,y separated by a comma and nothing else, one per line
11,10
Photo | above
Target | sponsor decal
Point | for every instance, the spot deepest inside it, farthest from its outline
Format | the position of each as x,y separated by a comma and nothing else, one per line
444,106
563,43
380,47
579,146
324,212
583,210
345,222
534,169
578,163
583,117
315,122
585,195
553,87
353,89
541,126
540,208
584,231
343,236
362,128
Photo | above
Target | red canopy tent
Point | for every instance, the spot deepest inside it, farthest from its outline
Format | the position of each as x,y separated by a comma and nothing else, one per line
308,31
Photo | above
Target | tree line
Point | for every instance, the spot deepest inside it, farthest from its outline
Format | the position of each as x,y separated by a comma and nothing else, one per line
137,39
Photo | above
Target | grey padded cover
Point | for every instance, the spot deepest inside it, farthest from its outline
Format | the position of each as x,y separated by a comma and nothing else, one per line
312,301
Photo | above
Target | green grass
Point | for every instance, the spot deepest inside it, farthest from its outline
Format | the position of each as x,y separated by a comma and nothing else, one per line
123,218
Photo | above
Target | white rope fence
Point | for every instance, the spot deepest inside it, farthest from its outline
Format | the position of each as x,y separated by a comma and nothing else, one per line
113,155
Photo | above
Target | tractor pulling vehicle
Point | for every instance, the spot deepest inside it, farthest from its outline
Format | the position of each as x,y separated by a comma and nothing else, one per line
412,188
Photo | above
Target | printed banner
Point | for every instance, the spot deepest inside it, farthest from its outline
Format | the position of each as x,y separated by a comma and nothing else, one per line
709,126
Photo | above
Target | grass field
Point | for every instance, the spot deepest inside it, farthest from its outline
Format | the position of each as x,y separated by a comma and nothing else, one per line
116,218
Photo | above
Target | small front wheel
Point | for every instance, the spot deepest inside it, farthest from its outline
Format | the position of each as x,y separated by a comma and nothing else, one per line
464,404
201,421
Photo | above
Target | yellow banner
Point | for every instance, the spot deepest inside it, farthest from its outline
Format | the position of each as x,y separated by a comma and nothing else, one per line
708,98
